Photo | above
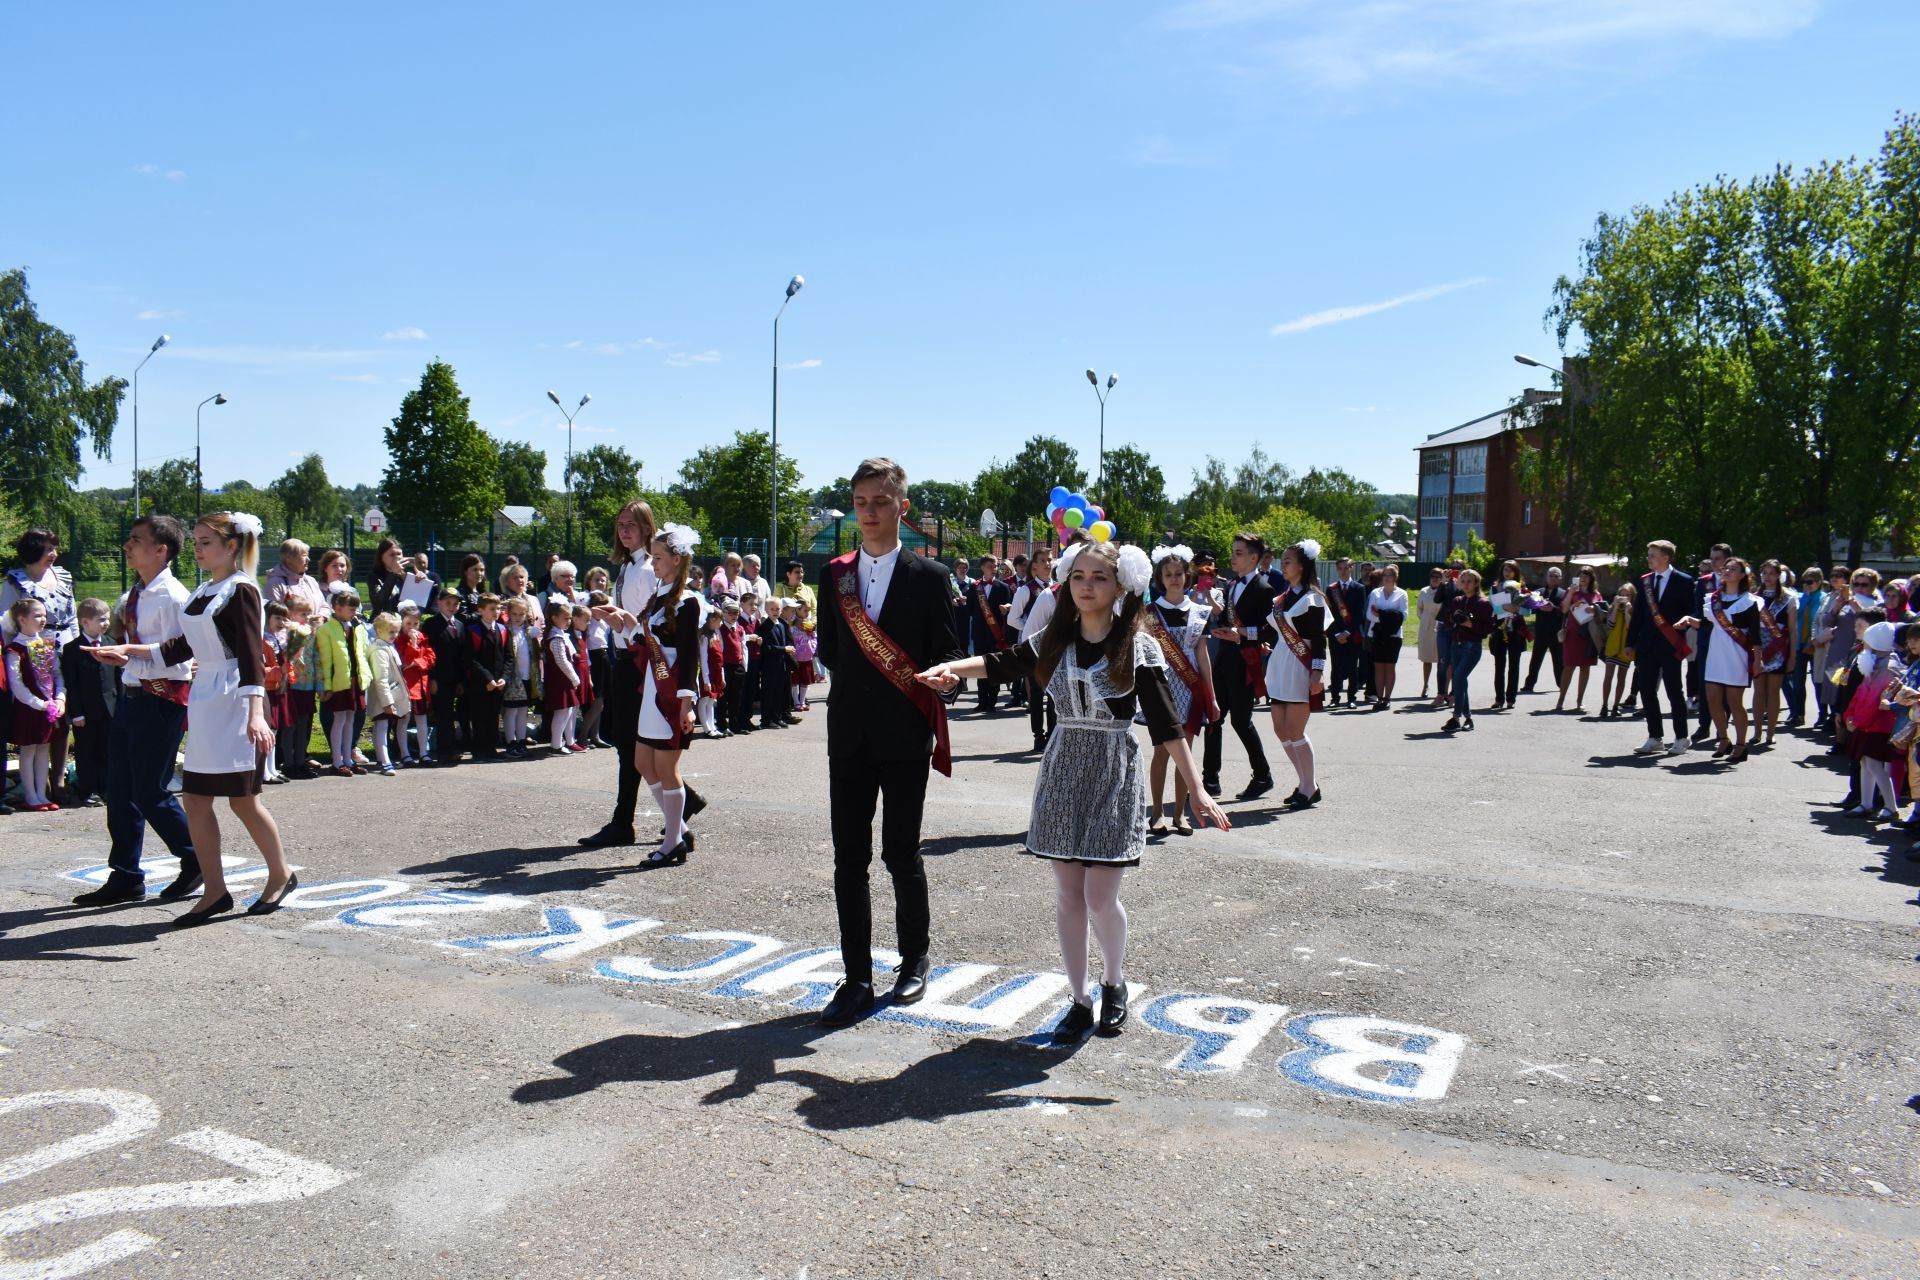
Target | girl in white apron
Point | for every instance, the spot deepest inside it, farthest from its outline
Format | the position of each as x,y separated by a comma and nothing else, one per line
228,733
1296,667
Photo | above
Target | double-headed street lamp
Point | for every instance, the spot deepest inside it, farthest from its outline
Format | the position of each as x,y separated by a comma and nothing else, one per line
569,417
158,343
1094,378
773,533
1566,505
216,398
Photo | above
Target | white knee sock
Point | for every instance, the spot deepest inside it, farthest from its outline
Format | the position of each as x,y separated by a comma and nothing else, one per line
341,739
673,807
557,728
1303,764
33,764
380,744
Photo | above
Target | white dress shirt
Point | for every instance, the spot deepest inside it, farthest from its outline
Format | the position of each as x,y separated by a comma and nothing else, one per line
1040,614
876,575
633,591
157,620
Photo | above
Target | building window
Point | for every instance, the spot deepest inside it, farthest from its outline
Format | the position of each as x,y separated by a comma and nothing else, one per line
1472,460
1434,507
1434,462
1470,508
1526,511
1434,550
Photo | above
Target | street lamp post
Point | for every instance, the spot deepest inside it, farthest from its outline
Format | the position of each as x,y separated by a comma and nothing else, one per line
1101,487
569,477
773,532
158,343
215,399
1566,505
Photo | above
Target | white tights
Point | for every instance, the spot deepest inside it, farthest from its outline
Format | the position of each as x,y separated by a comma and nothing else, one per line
1876,778
34,762
340,737
421,733
562,722
1300,751
1084,894
516,723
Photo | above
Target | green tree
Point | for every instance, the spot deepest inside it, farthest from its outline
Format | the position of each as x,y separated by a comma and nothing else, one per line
605,478
47,407
168,489
733,484
443,470
992,491
307,498
1212,489
1259,482
1211,530
950,500
242,495
837,496
1042,463
523,474
1344,503
1136,496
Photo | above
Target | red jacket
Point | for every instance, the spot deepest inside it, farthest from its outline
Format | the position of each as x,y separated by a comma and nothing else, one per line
416,659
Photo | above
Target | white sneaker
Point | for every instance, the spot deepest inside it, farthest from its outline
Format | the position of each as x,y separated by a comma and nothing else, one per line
1678,747
1651,747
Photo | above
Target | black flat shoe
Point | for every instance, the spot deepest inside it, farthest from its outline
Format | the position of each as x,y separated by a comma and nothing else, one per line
1737,755
194,919
695,802
608,836
187,884
912,983
1074,1027
671,858
1113,1009
1722,750
851,1001
1299,801
1453,723
261,907
110,894
1211,786
1257,788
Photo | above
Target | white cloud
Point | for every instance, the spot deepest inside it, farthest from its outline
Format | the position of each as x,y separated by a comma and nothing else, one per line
159,315
681,359
619,348
812,363
1360,408
1339,315
155,171
265,357
412,333
1345,47
358,377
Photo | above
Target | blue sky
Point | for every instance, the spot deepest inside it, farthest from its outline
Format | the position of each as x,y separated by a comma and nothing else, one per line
1321,227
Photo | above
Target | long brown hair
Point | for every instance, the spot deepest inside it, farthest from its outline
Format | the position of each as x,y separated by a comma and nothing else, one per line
617,553
1064,627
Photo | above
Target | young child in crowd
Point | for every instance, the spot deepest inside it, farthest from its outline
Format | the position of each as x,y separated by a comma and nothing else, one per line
93,693
416,664
388,706
592,687
346,673
1617,654
523,667
713,673
804,647
560,675
733,654
273,683
304,690
487,655
39,698
1870,721
751,627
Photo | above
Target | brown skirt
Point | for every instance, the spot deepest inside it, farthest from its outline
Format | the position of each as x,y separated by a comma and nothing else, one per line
246,783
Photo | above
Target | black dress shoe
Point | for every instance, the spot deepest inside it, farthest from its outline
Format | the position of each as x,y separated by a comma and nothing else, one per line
1299,801
669,857
608,836
912,983
851,1000
1211,786
1075,1025
1113,1009
111,894
1453,722
1257,788
187,883
194,919
261,907
1039,742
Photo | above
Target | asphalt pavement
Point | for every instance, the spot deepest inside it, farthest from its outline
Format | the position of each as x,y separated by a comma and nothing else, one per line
1513,1002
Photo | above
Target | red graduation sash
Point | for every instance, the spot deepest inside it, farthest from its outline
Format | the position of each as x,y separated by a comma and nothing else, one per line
1681,649
888,658
666,695
1200,708
1776,634
986,611
1726,623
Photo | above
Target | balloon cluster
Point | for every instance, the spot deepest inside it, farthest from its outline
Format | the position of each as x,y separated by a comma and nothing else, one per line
1068,510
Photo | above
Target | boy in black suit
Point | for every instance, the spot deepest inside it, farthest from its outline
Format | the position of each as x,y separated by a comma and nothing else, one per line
885,615
1658,639
448,636
1241,628
93,689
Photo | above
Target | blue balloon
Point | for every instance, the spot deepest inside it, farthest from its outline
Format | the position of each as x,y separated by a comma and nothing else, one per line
1059,495
1078,501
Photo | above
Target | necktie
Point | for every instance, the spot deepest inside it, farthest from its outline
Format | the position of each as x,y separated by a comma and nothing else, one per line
133,615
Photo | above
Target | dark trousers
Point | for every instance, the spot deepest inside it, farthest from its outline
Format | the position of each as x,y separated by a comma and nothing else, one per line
1795,685
854,787
1506,651
776,692
620,726
750,681
1345,660
484,707
736,717
1650,675
1547,641
989,695
1235,696
90,757
446,724
142,745
1040,715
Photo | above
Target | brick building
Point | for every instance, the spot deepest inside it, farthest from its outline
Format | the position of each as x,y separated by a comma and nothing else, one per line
1467,482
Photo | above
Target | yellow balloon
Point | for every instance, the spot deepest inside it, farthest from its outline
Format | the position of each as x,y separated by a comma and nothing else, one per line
1102,531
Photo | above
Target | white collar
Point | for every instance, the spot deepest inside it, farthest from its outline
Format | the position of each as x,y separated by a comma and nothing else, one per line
876,561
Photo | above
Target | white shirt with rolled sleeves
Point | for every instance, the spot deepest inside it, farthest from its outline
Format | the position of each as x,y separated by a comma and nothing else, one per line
633,591
156,620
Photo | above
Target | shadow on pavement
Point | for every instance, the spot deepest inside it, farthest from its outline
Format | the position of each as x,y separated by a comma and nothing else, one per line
969,1078
945,845
511,870
90,927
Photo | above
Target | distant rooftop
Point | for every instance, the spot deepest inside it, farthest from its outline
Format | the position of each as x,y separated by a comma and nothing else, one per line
1499,422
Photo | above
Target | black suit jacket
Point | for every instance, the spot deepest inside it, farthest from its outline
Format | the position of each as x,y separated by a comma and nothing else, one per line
1677,602
93,688
1254,609
1354,596
866,716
